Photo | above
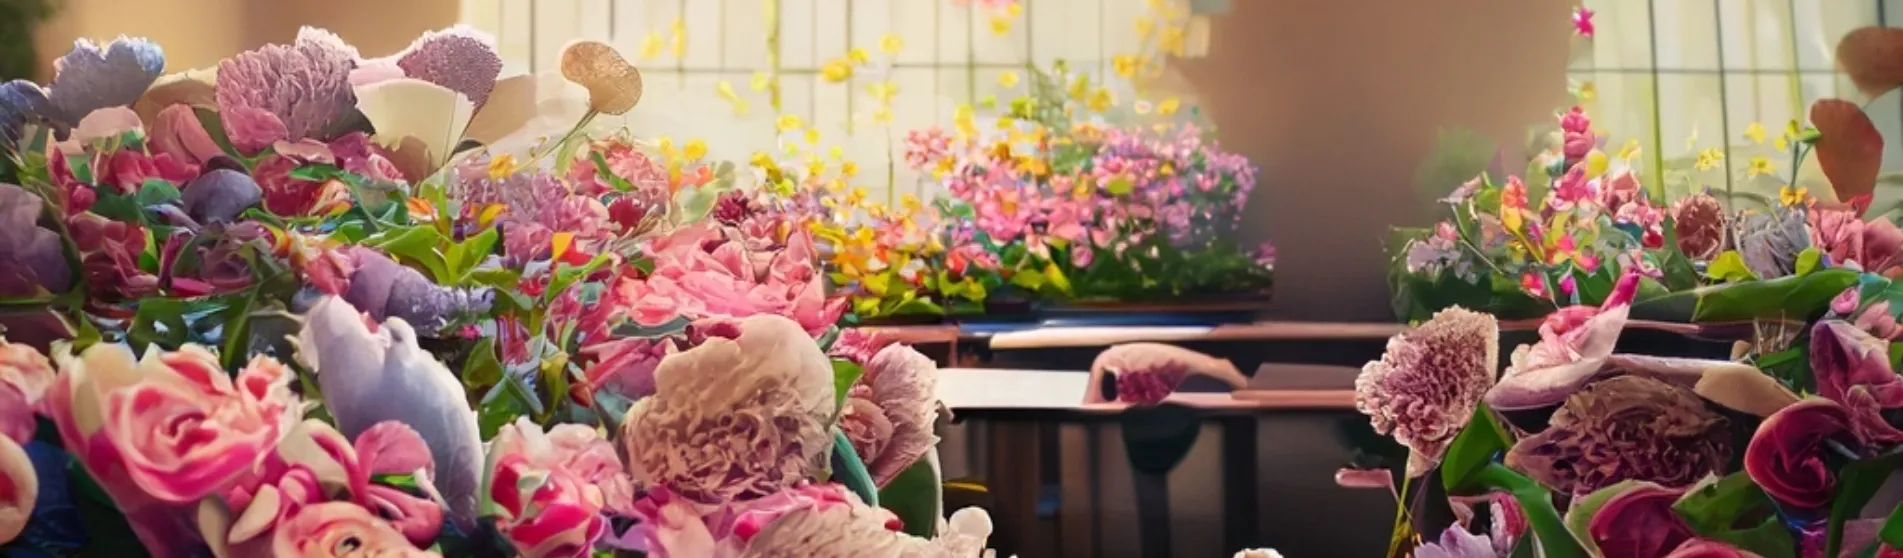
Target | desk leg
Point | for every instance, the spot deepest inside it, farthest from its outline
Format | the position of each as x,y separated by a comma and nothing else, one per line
1238,476
1012,473
1077,507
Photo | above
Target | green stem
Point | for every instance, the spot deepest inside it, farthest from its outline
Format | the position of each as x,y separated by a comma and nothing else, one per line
1400,516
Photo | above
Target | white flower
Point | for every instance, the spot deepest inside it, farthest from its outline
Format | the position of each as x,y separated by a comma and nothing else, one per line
1259,553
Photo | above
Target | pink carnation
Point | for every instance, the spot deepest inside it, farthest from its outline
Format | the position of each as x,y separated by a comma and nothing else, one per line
1425,387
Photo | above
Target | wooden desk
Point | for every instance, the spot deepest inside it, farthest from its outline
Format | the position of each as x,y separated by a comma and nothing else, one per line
1205,474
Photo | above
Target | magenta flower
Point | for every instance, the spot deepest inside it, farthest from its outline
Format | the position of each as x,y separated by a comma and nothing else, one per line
1574,344
1427,384
1852,368
546,509
1576,132
859,345
703,271
1707,548
127,170
626,366
316,466
673,526
109,253
1638,522
1786,456
1582,22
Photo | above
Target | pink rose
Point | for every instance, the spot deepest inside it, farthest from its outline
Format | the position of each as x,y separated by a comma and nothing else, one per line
109,255
160,433
25,375
545,513
575,449
1639,523
337,530
1882,247
252,129
178,133
292,197
1787,454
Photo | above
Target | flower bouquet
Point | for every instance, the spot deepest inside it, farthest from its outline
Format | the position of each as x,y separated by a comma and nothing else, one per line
1577,450
308,304
1041,208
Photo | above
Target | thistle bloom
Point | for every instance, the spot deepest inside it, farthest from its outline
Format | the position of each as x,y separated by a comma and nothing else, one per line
1426,385
1625,428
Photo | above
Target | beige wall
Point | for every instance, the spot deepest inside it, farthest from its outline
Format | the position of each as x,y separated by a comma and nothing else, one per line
1339,102
197,33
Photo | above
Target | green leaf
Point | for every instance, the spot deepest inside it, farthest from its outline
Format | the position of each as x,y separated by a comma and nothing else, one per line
509,399
696,201
1784,298
117,207
155,191
1716,508
1055,278
845,374
1857,483
603,170
1537,503
1472,450
419,245
1119,186
1729,267
215,126
849,470
1809,260
482,369
566,275
1892,532
916,496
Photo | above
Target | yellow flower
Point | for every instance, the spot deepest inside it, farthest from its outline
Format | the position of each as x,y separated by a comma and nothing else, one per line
679,31
665,144
883,91
1168,106
1014,9
763,160
1000,25
1005,122
812,135
1100,100
835,152
1511,219
836,71
1126,65
891,43
882,115
489,214
965,120
1172,40
910,203
695,149
1587,92
1629,150
501,166
1709,159
989,101
1144,27
651,47
1597,163
858,55
1782,143
1008,80
1079,88
1793,197
727,93
761,81
1755,133
1758,166
849,168
789,122
815,166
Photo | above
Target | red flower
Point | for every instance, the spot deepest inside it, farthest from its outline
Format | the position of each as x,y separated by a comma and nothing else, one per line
109,253
1639,523
1786,455
128,169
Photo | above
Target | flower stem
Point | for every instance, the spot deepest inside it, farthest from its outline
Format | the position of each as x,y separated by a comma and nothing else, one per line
1400,515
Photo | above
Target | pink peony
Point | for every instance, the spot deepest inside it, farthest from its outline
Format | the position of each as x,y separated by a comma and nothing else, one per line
209,429
704,271
1426,385
900,385
545,514
575,449
859,345
1787,455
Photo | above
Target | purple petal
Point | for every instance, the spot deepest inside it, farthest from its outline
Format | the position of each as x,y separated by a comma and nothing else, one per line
20,101
220,196
90,78
460,59
33,255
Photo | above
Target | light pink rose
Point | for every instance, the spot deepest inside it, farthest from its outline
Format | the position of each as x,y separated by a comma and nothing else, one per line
626,366
25,375
338,530
160,433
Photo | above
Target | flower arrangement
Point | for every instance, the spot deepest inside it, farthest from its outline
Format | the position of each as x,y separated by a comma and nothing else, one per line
1578,450
591,343
1044,208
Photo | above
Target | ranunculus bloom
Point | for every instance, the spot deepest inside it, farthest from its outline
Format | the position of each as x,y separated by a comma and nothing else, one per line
162,432
25,375
340,530
1638,522
581,479
1786,455
1625,428
1426,385
735,418
1853,368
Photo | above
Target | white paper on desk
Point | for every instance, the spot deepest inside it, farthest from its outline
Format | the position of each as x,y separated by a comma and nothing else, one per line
987,388
1094,336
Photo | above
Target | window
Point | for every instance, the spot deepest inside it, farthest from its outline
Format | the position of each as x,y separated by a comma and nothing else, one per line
692,53
1686,77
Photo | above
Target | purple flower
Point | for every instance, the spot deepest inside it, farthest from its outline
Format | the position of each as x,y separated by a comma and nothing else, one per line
1625,428
1853,368
91,78
302,88
1456,542
1426,385
32,260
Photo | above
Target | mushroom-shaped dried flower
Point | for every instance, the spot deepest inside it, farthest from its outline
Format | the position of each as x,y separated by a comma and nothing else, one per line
614,85
1625,428
1426,385
735,418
